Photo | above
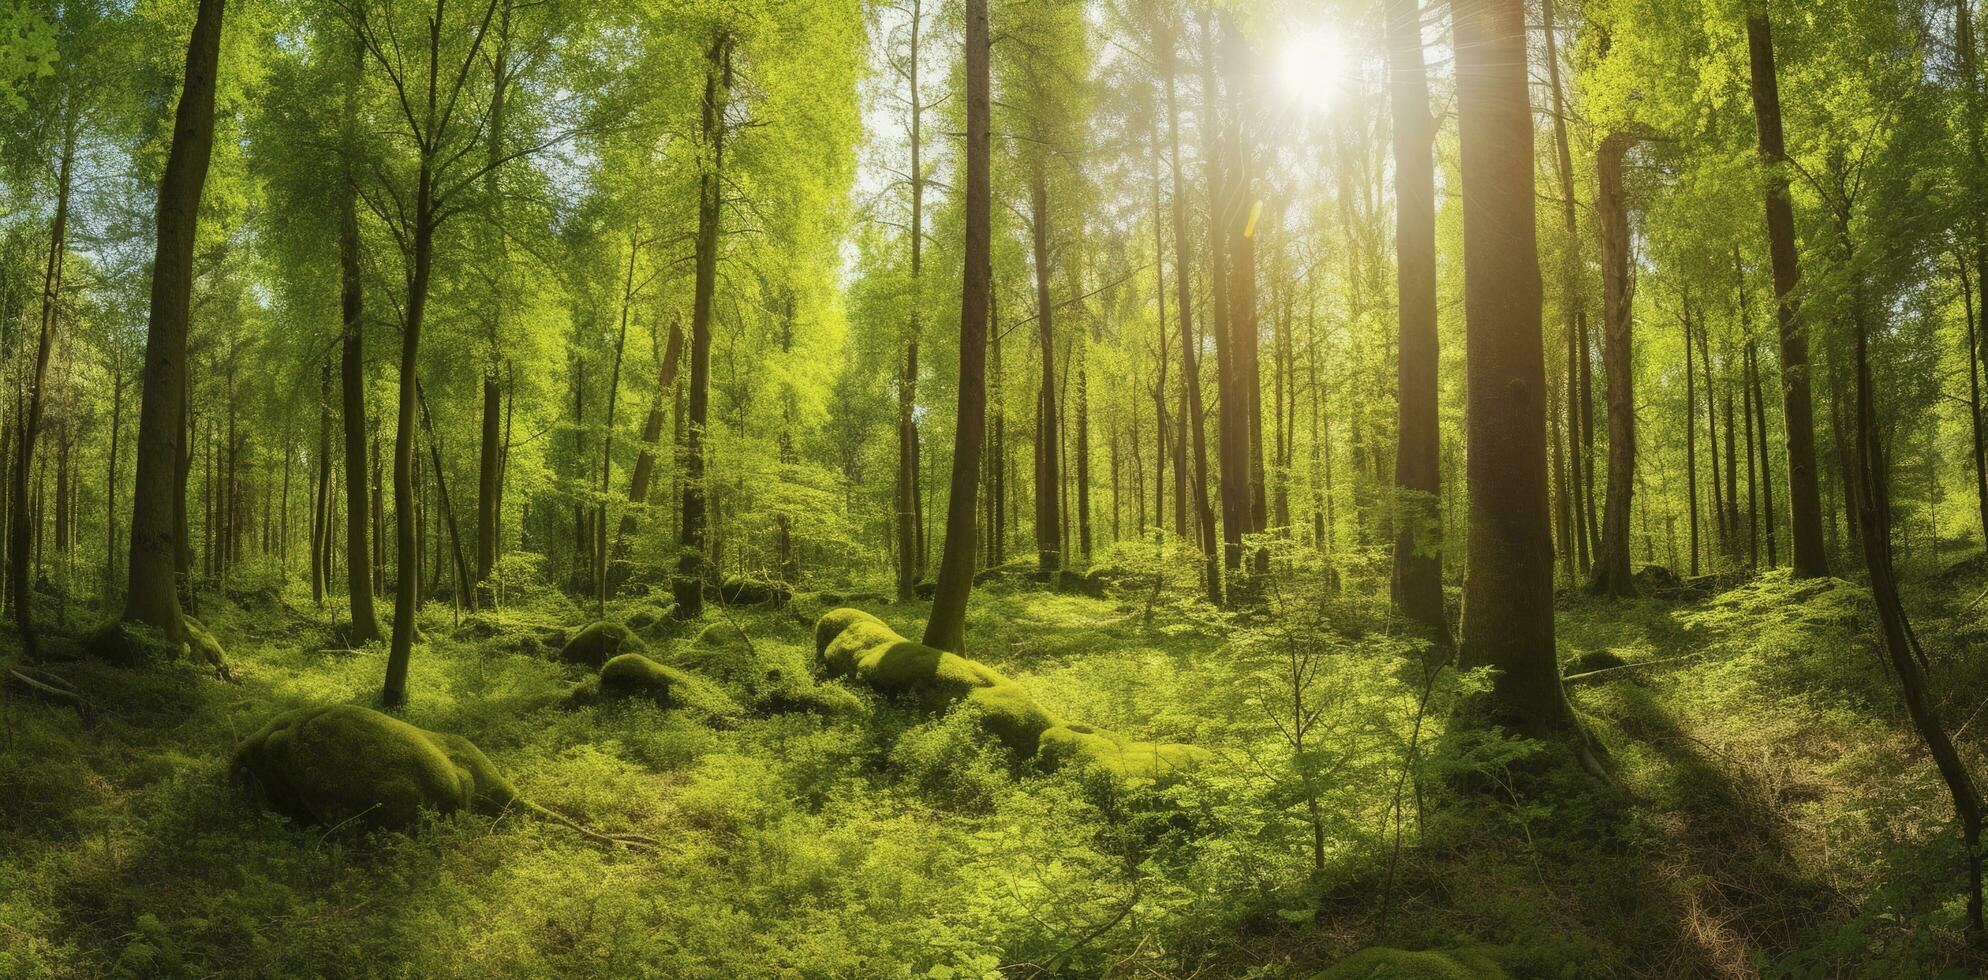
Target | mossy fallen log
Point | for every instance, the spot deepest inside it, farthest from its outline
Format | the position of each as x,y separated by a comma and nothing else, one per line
339,765
1388,963
852,643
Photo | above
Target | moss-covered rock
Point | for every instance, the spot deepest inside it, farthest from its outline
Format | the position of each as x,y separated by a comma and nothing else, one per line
797,696
339,764
738,590
1388,963
855,644
599,643
634,675
650,619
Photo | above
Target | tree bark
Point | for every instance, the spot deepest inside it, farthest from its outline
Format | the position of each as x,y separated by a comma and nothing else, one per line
1797,403
946,627
1612,575
20,587
691,573
1193,415
361,508
1508,571
1048,472
153,597
1418,542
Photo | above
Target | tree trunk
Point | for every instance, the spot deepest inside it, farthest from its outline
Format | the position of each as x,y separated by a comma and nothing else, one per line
20,588
1612,575
1048,471
152,597
645,461
689,585
1573,307
1418,542
1193,415
945,629
1508,572
1690,436
361,549
1804,502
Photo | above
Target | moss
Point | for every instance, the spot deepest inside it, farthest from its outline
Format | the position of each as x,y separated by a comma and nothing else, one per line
1593,660
336,764
1082,745
130,644
634,675
204,647
599,643
652,619
856,644
738,590
799,697
1388,963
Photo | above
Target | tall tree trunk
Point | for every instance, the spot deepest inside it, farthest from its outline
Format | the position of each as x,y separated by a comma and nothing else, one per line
1418,542
909,522
407,549
1690,435
321,493
490,450
1508,571
1612,574
1797,411
361,547
607,437
1193,414
689,584
20,588
1244,331
1232,475
1573,303
1048,471
945,629
152,597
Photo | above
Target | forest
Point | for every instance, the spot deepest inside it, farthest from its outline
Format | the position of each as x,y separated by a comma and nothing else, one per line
993,488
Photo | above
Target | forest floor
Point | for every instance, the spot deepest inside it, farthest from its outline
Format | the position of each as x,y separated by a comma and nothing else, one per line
1773,814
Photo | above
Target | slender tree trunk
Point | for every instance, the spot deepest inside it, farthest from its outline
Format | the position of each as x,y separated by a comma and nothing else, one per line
1418,542
1508,572
691,573
361,547
1193,414
945,629
1804,502
152,597
21,590
607,438
1690,436
1612,575
1048,473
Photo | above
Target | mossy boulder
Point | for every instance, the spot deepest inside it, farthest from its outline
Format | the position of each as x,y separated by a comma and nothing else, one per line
651,618
852,643
338,764
600,642
201,644
739,590
1388,963
633,675
786,696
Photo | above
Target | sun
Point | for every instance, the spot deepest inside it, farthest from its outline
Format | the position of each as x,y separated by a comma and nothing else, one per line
1315,67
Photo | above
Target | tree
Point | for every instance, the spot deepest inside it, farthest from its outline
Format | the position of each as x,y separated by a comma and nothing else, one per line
691,573
1418,568
1804,501
157,534
1508,570
1612,576
946,628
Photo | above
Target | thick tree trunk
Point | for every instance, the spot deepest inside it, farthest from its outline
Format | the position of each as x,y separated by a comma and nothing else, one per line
1508,572
152,597
1797,408
1232,474
1612,575
1418,542
945,629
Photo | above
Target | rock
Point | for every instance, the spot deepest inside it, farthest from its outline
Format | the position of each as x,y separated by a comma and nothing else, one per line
1592,660
634,675
925,590
797,696
1388,963
1655,580
202,645
738,590
599,643
853,643
651,618
339,764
